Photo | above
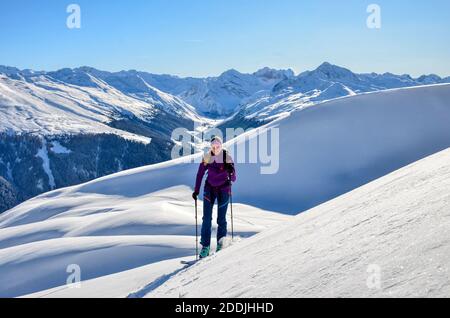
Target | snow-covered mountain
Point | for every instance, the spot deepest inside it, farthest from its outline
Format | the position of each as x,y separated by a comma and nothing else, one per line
324,83
389,238
262,96
132,84
142,218
328,74
68,127
221,96
104,236
213,96
84,99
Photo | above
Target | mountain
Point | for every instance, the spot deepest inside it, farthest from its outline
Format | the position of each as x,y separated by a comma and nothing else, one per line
130,230
130,83
430,79
107,121
79,101
220,96
384,228
212,96
63,128
112,121
257,98
328,74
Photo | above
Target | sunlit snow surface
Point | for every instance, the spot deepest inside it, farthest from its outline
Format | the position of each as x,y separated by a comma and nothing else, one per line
396,227
45,106
118,224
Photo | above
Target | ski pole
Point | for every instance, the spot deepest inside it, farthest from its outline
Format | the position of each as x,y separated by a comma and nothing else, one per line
232,222
196,232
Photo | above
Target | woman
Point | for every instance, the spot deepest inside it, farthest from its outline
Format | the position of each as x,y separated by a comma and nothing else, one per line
221,173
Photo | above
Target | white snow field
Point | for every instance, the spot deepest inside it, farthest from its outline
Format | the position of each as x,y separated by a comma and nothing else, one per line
117,224
397,227
103,235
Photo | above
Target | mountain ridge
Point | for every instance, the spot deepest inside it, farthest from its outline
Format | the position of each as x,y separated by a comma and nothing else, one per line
223,95
80,108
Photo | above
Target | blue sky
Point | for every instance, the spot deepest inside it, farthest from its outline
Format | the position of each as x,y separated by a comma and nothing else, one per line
207,37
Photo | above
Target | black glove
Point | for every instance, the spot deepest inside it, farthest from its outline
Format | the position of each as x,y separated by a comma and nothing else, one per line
195,195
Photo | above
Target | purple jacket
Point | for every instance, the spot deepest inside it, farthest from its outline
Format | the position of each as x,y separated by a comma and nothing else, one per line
217,174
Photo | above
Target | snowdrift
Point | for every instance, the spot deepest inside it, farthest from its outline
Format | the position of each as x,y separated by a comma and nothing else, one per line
332,148
105,235
395,228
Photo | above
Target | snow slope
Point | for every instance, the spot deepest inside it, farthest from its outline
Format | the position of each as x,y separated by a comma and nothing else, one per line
325,151
334,147
132,83
221,96
92,119
397,226
133,283
47,106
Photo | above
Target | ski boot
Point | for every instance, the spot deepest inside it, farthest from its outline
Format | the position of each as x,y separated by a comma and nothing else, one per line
220,244
204,252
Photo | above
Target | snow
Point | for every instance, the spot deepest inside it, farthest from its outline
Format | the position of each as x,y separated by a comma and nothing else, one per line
43,154
342,144
168,102
324,83
221,96
104,235
59,149
119,224
262,96
126,284
9,173
45,106
397,225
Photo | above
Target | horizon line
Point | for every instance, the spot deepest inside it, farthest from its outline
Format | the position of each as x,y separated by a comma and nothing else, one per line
215,76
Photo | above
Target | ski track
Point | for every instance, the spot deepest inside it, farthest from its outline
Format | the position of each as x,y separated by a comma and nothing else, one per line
156,283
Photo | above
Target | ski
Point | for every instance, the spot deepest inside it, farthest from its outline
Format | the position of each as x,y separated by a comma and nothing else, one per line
189,263
226,243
